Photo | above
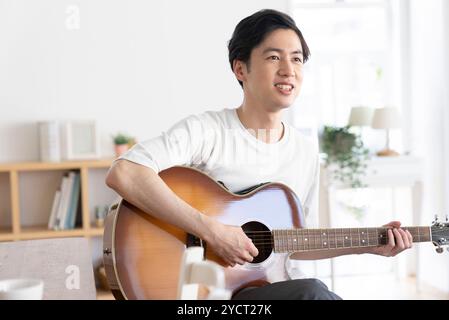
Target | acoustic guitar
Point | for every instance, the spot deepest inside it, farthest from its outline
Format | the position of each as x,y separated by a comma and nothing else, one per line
142,254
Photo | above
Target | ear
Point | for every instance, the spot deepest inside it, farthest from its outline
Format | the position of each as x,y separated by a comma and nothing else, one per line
240,70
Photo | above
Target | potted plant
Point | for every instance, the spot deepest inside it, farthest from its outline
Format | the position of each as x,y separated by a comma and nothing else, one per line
346,155
121,143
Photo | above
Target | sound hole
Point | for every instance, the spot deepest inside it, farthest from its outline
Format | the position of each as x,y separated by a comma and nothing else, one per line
261,237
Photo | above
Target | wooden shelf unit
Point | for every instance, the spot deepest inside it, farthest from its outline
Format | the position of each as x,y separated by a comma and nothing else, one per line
19,232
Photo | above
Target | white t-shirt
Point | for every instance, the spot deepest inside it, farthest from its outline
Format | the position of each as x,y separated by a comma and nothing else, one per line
218,144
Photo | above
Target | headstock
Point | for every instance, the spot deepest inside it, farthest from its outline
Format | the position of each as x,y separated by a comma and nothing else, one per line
440,234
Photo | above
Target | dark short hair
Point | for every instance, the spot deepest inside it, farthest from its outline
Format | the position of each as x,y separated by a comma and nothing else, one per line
253,30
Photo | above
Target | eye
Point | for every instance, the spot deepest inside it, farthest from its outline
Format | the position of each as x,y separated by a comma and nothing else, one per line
273,58
298,60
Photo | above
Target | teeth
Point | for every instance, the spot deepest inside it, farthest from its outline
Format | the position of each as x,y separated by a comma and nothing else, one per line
284,87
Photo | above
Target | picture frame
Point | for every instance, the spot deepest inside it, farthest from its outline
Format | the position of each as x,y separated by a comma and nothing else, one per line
80,140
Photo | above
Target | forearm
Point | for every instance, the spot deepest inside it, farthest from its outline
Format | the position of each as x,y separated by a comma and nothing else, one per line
142,187
326,254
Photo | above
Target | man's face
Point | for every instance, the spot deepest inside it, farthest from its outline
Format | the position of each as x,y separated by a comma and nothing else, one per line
275,70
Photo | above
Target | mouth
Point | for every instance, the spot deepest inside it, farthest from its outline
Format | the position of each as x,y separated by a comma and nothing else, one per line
284,88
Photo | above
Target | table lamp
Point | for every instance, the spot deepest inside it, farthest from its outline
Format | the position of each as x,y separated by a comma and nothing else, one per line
361,116
386,118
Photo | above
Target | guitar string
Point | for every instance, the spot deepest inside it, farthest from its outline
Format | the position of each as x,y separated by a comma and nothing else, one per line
315,230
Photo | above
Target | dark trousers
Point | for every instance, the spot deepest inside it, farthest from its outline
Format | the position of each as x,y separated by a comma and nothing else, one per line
299,289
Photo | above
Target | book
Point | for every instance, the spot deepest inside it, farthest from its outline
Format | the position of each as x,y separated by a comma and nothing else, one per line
65,200
74,202
54,209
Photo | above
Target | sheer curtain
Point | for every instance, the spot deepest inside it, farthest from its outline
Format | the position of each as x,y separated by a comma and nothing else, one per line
428,69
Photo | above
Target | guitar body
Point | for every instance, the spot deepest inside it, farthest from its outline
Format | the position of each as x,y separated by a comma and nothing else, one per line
142,254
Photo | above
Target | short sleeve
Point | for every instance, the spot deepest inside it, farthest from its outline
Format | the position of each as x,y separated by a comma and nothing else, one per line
182,144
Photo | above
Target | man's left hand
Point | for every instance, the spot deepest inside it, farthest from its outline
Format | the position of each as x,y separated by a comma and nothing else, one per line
398,241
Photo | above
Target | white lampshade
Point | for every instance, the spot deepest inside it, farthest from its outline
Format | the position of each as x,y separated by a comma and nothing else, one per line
386,118
361,116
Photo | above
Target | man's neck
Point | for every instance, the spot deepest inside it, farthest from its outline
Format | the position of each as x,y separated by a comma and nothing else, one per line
265,126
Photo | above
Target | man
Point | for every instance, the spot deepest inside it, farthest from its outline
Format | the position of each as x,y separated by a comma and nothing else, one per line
243,147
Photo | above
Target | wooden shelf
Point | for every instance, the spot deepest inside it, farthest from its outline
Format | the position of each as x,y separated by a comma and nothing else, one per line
96,232
63,165
5,234
19,232
42,232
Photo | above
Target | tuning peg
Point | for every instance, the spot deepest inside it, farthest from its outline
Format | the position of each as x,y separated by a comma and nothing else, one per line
447,218
439,250
435,219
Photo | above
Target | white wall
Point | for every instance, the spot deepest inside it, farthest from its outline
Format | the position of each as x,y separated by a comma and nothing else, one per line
135,66
429,66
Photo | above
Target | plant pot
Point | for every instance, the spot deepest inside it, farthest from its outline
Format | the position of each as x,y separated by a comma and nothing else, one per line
121,149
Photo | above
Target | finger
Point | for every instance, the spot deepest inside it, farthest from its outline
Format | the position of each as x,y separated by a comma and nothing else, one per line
229,263
252,249
399,242
391,243
239,261
405,238
394,224
410,238
247,257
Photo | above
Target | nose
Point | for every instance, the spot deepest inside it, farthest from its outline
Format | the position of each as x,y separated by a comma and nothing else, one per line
286,69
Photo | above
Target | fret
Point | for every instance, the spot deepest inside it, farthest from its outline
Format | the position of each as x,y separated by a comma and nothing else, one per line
278,239
338,238
382,236
323,235
292,240
342,235
322,239
281,248
311,238
319,236
371,237
313,241
306,240
281,245
285,241
354,237
332,238
298,241
347,238
274,240
363,237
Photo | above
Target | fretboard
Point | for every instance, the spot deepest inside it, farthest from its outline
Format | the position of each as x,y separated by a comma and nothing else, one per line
293,240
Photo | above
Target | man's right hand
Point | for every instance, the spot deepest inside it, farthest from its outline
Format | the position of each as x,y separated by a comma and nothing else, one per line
231,243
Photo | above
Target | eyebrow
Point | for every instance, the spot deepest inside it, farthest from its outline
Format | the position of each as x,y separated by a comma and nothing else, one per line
280,51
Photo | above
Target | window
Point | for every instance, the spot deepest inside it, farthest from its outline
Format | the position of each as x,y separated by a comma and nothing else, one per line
353,63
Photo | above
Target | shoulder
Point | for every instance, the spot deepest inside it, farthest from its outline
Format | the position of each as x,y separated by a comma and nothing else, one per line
211,119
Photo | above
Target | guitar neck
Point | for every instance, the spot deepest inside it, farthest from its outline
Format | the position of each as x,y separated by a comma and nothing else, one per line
294,240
